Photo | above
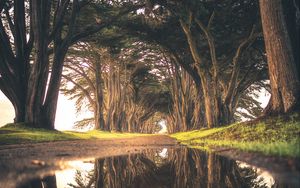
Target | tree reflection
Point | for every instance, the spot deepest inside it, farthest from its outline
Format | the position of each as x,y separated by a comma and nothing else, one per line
47,182
83,180
251,179
181,168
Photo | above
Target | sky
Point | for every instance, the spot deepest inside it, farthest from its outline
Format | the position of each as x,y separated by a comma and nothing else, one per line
6,110
65,115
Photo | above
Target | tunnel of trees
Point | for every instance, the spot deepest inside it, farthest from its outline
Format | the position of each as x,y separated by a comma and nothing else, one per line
132,63
148,169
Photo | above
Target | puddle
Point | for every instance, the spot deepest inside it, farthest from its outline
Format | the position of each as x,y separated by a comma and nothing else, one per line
162,168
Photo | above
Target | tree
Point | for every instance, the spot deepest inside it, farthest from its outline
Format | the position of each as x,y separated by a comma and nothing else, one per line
220,40
83,70
129,94
284,76
34,39
185,114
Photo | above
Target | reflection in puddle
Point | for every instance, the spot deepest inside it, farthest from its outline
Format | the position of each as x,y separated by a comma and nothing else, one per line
65,177
166,168
264,177
163,153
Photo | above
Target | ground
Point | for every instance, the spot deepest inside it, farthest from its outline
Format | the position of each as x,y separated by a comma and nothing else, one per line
28,152
23,161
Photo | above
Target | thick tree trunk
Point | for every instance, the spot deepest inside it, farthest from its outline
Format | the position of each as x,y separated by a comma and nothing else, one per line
209,100
207,83
213,165
284,78
99,119
291,13
39,74
50,104
226,114
19,111
49,182
99,173
27,84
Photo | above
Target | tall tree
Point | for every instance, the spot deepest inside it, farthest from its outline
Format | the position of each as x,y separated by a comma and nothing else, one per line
34,39
221,66
218,43
117,88
284,76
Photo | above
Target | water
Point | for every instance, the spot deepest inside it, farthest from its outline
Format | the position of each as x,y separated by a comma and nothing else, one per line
161,168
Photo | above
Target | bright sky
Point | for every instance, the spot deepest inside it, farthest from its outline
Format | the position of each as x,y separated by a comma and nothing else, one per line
264,97
65,115
163,124
6,110
67,176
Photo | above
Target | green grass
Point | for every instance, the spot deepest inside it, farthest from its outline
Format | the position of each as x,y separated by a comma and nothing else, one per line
274,136
19,133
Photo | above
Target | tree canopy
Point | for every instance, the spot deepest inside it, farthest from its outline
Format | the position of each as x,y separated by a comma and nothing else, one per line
194,63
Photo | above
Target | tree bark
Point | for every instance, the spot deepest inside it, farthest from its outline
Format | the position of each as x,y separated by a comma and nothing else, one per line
40,16
284,78
50,104
27,84
99,173
49,182
99,119
206,80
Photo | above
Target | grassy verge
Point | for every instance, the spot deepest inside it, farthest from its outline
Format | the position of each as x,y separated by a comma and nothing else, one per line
19,133
274,136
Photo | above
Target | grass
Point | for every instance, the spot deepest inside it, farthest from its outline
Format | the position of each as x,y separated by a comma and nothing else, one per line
274,136
19,133
278,136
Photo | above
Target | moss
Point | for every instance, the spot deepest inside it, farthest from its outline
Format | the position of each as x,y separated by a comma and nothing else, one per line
272,136
20,133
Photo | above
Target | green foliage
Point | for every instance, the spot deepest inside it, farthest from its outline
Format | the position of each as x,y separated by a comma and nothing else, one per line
20,133
273,136
135,68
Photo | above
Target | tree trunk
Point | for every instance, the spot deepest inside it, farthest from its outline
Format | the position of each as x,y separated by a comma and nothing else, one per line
19,111
213,176
99,173
284,78
99,119
206,80
40,70
291,13
50,104
226,115
209,100
49,182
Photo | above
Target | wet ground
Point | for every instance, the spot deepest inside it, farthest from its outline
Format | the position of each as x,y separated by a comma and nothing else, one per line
154,161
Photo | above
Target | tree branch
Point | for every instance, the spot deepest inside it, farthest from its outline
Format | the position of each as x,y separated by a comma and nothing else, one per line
10,23
212,48
85,92
91,29
236,65
83,74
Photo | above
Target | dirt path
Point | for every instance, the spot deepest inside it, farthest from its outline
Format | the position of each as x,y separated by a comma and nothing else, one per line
23,161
